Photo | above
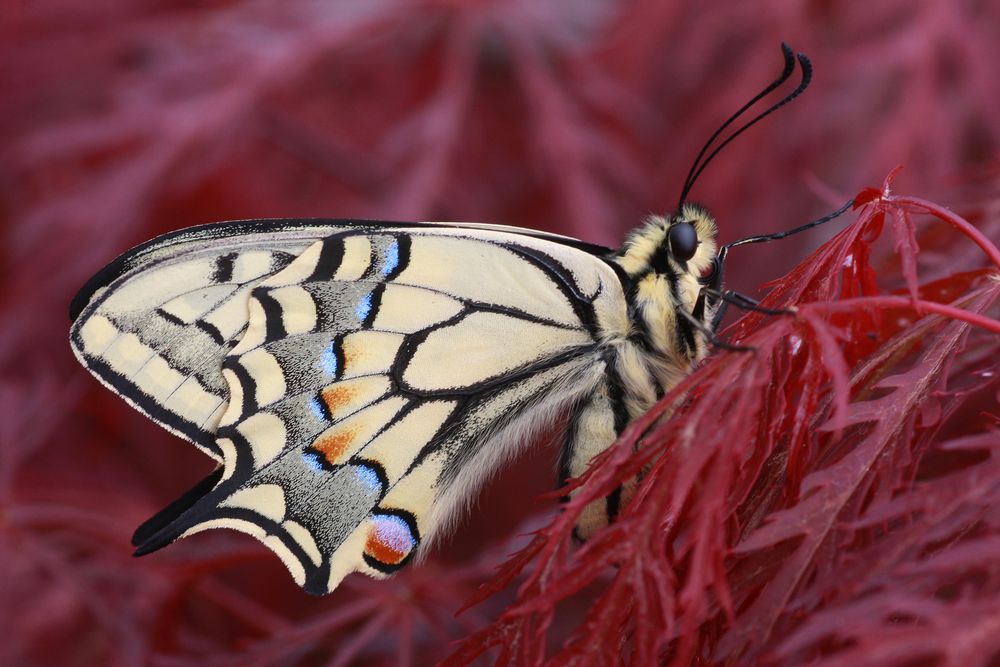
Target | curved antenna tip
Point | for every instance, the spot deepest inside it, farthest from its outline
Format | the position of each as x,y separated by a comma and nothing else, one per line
698,165
790,59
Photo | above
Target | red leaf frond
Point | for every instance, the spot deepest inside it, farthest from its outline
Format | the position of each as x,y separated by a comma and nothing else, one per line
763,476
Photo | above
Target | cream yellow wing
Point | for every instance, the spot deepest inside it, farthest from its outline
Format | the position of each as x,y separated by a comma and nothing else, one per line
381,375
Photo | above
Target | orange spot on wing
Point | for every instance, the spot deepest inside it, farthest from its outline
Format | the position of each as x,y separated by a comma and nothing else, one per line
382,551
336,397
350,352
333,445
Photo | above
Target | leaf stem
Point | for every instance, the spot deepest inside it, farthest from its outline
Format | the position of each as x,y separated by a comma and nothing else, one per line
952,219
920,305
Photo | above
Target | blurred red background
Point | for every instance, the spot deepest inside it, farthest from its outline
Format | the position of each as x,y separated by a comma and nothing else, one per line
122,120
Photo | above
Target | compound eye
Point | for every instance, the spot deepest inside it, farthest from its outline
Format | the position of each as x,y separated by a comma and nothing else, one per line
683,241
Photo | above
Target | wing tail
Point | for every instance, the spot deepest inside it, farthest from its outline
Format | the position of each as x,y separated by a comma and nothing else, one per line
142,537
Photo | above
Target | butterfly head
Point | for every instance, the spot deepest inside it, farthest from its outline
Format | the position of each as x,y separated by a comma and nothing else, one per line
665,260
671,247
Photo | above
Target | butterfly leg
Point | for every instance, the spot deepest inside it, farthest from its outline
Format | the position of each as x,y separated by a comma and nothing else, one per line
732,297
709,333
727,298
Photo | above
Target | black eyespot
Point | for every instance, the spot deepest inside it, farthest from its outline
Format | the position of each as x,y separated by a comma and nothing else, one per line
683,241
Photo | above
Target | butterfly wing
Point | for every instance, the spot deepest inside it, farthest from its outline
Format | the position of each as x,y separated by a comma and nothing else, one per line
155,324
380,375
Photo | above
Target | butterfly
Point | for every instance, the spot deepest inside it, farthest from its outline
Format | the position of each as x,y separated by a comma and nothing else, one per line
356,380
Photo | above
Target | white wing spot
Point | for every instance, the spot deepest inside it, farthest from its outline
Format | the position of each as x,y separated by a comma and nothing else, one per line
298,310
158,379
228,450
268,500
189,307
300,269
251,265
230,316
211,424
266,374
304,538
266,434
97,333
489,345
127,354
407,309
192,402
256,328
235,406
357,258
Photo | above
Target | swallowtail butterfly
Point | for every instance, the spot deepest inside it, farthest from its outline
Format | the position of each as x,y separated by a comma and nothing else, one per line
356,380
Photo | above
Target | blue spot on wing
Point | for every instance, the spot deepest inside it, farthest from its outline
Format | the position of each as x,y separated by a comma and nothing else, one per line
391,259
369,478
364,307
328,360
317,409
314,460
393,532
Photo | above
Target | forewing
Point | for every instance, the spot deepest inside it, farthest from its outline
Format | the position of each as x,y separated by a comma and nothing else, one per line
155,324
382,374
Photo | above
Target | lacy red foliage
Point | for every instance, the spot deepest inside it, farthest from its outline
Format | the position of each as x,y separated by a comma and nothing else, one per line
832,497
837,472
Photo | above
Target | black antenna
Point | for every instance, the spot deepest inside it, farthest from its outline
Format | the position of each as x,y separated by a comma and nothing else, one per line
713,284
764,238
699,165
789,67
780,235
